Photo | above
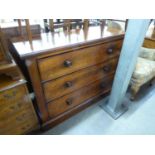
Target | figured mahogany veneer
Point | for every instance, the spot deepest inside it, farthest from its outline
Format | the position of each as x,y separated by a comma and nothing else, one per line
71,82
69,70
17,115
69,101
59,65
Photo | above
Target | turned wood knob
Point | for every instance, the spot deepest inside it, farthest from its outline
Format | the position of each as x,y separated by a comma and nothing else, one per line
67,63
106,68
68,84
103,85
69,101
110,50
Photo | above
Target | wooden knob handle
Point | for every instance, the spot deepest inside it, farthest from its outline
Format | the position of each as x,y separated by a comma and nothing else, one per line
68,84
107,68
69,101
67,63
103,85
110,50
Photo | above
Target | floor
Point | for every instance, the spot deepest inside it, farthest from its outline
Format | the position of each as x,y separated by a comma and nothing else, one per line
139,119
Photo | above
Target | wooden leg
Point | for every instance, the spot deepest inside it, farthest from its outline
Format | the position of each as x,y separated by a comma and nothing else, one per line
134,91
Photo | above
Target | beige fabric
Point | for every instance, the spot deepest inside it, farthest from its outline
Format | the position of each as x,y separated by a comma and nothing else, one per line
144,71
147,53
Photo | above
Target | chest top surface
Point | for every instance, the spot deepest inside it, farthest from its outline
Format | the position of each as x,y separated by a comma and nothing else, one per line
62,39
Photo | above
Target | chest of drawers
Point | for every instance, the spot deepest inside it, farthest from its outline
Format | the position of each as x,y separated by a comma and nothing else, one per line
17,115
67,78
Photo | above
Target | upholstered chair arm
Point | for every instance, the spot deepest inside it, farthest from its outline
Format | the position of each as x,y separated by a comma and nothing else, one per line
147,53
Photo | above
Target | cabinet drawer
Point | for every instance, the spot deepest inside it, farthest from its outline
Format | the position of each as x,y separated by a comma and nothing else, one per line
10,110
67,102
14,100
17,120
59,65
23,128
66,84
10,96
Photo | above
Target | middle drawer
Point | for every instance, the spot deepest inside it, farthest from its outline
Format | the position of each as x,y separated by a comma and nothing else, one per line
71,82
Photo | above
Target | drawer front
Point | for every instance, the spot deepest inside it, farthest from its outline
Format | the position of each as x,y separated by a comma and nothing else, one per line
25,117
10,110
23,128
17,114
67,102
11,95
71,82
13,100
56,66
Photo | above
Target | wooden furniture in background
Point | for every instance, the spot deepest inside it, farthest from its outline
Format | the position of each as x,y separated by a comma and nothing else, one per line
149,41
4,52
66,24
17,115
7,65
28,30
51,24
11,70
86,23
69,72
18,29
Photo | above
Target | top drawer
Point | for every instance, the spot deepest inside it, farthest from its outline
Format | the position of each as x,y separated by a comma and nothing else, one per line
59,65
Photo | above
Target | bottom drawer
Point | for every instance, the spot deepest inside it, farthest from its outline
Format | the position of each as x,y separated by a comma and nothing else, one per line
24,120
22,128
67,102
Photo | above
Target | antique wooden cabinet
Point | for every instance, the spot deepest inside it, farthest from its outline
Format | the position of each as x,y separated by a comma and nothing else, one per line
17,115
69,70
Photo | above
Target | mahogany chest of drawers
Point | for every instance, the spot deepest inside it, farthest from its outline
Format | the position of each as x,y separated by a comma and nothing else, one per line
68,75
17,115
